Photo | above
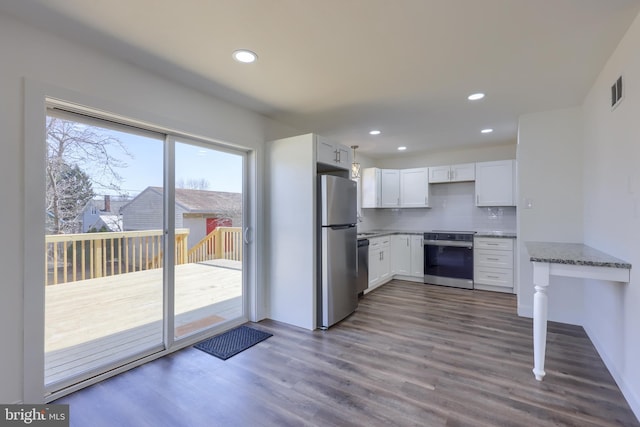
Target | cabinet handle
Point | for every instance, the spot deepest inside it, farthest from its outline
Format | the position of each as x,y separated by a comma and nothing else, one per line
493,259
448,175
493,277
337,158
477,199
398,201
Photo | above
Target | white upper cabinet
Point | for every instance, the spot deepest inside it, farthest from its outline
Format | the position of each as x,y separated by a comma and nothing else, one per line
330,153
495,183
371,187
393,188
414,188
452,173
390,188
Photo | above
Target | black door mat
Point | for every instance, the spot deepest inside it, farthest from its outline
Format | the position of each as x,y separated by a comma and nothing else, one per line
232,342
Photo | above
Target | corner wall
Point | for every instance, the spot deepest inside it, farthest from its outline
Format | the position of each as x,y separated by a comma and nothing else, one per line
612,213
549,156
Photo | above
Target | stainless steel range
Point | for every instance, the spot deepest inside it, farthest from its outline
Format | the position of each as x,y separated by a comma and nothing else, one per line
448,258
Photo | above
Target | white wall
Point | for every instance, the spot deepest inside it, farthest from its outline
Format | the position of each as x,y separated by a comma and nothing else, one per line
550,176
39,56
612,213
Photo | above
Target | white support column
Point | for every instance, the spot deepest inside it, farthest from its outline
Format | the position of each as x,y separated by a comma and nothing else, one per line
541,282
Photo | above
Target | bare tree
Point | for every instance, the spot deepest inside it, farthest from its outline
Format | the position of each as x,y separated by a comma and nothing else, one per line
193,184
73,149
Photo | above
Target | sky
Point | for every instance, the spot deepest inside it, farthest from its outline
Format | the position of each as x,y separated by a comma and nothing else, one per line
223,171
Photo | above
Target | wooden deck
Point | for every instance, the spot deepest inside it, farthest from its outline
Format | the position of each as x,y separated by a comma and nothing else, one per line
92,323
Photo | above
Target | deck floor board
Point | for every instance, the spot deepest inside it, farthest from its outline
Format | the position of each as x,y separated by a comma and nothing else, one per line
92,323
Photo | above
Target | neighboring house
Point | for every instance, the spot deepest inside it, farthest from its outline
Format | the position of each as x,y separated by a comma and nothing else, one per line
102,214
200,211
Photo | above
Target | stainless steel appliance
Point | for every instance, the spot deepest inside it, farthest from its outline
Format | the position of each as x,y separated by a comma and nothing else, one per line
337,272
448,258
363,266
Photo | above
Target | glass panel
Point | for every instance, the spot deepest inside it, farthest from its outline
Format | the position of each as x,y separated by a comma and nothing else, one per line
103,290
208,207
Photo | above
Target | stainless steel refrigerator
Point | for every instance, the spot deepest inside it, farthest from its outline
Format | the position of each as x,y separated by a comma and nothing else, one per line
337,275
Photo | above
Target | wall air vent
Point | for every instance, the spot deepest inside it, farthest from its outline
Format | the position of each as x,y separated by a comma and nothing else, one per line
616,93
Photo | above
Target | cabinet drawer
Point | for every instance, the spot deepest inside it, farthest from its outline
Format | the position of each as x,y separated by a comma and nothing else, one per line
379,242
493,258
494,276
492,243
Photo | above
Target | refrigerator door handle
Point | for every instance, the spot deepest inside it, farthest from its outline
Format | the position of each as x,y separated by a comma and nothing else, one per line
341,227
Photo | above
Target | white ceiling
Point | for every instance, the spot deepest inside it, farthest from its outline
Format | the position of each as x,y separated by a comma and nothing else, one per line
343,67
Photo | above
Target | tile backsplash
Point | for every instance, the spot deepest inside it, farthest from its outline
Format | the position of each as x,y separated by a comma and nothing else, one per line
452,208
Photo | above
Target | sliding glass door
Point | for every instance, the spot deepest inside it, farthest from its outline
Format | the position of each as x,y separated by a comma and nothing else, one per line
209,223
110,285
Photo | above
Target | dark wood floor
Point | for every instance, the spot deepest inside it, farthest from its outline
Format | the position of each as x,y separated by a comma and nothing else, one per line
412,355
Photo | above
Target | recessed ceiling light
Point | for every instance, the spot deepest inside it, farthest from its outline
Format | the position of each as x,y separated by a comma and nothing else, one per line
244,56
402,148
486,130
374,132
475,96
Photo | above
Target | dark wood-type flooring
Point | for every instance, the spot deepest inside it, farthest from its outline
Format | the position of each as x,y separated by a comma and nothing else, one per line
412,354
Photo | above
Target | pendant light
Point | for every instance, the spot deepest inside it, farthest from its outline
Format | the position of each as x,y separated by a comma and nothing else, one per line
355,166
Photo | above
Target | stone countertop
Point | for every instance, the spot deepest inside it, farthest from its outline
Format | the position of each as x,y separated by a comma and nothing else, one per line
572,254
500,234
380,233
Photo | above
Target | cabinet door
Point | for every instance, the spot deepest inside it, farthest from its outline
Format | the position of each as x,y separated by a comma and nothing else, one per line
385,262
371,188
401,254
374,266
495,183
417,256
439,174
463,172
325,151
344,156
414,188
390,188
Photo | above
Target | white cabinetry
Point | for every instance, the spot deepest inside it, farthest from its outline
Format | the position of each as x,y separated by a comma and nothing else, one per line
495,183
414,188
371,178
393,188
407,256
401,254
390,188
379,261
290,223
452,173
417,257
493,262
330,153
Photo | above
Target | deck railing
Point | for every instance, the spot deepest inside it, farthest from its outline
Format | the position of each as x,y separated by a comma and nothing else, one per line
73,257
223,242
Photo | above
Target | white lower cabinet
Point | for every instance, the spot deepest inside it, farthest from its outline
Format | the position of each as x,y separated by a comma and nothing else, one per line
401,254
397,255
417,257
493,264
379,261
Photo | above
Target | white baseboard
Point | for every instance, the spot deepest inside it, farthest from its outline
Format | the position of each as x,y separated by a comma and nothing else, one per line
632,399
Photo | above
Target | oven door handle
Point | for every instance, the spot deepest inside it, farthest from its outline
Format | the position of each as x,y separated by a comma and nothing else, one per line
453,243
